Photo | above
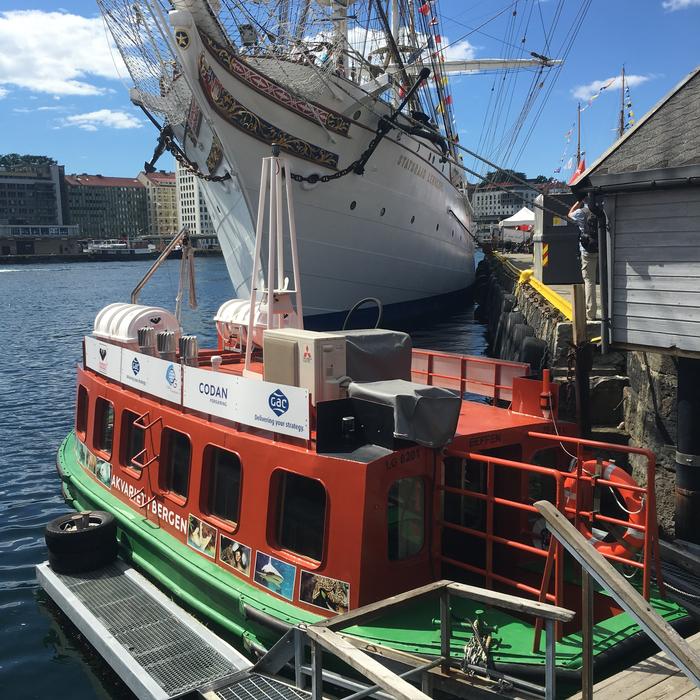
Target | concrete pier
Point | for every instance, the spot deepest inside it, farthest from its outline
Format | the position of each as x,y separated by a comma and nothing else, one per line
633,394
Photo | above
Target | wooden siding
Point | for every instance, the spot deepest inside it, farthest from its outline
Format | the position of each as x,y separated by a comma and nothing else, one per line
655,269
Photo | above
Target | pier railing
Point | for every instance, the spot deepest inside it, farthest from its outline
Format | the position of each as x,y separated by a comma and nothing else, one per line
584,516
483,376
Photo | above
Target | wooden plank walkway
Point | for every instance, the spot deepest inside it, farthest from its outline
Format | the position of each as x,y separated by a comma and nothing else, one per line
655,678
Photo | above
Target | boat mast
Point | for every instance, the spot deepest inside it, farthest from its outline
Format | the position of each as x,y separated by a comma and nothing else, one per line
578,138
621,125
340,31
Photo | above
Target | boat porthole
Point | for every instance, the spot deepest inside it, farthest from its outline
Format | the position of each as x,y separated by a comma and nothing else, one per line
453,234
382,211
413,218
353,204
357,115
437,228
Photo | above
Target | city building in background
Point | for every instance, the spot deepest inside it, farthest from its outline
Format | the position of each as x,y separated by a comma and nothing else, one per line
192,209
107,207
161,196
33,207
499,200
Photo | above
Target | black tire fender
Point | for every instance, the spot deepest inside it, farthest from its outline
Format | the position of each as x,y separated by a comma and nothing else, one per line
80,532
89,560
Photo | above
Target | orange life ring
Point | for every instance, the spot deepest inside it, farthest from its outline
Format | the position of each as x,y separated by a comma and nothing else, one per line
632,539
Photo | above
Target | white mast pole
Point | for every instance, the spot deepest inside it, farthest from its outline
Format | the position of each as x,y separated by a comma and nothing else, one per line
271,241
280,225
293,244
256,260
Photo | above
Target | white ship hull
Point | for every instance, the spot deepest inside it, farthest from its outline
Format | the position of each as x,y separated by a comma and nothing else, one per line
399,232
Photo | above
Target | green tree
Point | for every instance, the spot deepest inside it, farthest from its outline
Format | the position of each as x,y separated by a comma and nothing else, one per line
14,161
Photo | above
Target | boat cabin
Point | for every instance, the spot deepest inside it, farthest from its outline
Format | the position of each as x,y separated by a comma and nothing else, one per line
337,469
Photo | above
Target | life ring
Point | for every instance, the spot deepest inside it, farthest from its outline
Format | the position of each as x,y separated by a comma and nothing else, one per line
632,540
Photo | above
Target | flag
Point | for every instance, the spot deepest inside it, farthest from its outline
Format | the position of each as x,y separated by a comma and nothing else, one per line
433,22
440,109
608,84
402,91
424,9
557,170
581,167
448,100
569,164
431,43
438,39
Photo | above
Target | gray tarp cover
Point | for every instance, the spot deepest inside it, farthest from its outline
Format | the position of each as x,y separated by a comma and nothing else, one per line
424,414
375,354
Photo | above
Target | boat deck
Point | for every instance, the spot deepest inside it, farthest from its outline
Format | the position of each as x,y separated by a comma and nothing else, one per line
655,678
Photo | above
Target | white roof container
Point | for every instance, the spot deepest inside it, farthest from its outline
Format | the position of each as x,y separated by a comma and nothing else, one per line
120,322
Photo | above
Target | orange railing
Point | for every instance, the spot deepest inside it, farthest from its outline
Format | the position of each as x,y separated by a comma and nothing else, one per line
483,376
553,556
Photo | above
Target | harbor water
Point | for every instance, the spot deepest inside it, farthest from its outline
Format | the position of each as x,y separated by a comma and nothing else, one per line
45,312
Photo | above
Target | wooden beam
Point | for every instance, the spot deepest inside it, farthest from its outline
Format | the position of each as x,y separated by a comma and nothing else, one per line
380,607
579,309
511,602
366,665
686,658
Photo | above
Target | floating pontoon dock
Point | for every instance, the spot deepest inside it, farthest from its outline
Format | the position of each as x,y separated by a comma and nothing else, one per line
157,649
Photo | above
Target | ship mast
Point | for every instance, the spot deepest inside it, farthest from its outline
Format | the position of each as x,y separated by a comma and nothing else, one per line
578,138
621,125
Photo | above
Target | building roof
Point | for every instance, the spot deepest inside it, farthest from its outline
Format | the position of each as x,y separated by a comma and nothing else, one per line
665,138
101,181
160,178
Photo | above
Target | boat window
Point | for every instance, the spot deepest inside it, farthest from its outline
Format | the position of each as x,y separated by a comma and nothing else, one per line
301,515
81,411
133,440
104,425
406,517
176,452
224,478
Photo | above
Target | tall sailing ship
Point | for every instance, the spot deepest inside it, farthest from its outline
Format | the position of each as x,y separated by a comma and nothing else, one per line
356,95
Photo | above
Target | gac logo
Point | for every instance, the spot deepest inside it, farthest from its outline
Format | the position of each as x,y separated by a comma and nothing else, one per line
278,402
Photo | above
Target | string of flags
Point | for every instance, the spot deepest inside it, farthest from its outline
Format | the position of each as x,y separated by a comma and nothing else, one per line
593,98
570,162
628,107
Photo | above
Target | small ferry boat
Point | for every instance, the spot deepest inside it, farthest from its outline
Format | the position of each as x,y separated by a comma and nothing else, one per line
119,249
286,475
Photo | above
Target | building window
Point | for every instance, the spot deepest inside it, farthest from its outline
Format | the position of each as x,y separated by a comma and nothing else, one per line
81,411
301,514
224,483
176,453
104,425
133,440
406,518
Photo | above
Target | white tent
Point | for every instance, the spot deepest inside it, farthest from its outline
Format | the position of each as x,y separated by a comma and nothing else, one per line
510,233
524,217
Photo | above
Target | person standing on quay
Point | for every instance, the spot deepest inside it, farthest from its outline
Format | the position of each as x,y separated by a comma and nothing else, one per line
587,221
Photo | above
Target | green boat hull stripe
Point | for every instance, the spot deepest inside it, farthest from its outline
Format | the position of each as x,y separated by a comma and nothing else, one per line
223,597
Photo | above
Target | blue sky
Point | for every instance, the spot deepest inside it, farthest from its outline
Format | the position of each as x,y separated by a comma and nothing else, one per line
61,95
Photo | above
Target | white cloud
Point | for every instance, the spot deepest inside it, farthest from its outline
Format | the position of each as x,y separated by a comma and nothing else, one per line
55,52
3,92
111,119
585,92
673,5
460,51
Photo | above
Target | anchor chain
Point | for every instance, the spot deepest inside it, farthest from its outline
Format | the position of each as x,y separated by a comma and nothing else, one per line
188,165
356,166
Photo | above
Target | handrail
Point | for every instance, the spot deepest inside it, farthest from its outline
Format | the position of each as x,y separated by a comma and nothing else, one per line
326,634
593,563
484,376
